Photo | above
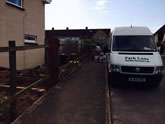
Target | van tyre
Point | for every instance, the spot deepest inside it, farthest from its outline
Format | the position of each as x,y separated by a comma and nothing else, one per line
155,85
111,81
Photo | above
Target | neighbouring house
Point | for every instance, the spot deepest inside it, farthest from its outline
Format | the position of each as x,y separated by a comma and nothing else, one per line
159,36
24,22
98,36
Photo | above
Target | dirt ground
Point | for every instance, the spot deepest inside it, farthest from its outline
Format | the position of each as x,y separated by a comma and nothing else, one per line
24,78
22,104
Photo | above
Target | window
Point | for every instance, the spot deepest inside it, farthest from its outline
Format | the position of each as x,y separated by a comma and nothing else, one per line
15,2
30,39
102,38
134,43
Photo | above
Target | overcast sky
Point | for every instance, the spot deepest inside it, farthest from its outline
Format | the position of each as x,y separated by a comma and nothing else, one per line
78,14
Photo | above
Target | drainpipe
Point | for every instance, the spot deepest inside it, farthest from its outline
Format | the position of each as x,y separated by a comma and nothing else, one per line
23,40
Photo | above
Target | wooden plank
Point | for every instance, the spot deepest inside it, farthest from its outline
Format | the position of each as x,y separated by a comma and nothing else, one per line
30,47
4,49
21,48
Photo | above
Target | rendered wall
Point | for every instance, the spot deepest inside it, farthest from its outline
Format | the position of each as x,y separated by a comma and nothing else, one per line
14,23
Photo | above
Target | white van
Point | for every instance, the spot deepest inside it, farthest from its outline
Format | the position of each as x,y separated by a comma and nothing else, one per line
133,57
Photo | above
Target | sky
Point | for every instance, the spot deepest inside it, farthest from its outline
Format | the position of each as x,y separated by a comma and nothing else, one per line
78,14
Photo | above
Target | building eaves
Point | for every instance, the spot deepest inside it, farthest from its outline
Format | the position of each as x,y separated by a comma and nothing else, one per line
160,29
75,32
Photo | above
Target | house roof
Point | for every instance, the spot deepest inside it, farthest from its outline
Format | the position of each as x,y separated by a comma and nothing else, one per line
160,30
75,32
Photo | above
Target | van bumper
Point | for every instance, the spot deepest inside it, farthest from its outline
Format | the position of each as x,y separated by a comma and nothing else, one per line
120,77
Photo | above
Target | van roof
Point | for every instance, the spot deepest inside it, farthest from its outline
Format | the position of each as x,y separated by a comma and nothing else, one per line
132,30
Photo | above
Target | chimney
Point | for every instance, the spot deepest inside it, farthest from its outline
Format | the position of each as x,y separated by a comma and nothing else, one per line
67,28
53,28
86,28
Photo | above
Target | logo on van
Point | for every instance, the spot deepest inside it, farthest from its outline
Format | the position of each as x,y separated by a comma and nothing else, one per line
136,59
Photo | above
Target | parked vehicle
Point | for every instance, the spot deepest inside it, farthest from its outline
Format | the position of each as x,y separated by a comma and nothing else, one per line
102,58
133,57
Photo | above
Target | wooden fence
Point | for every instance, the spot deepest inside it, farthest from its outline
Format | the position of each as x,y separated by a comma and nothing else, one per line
51,53
52,67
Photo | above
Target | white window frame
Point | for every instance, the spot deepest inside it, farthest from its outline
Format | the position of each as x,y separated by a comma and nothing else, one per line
30,39
15,4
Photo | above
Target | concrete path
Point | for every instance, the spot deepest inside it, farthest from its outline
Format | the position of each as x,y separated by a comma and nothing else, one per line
79,99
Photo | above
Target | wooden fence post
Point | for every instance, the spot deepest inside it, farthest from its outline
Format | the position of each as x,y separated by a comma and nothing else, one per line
12,66
53,60
69,50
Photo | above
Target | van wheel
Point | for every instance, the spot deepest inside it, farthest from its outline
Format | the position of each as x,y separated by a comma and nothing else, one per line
155,85
111,81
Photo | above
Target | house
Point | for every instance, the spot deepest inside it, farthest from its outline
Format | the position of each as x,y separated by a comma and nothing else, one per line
159,36
98,36
24,22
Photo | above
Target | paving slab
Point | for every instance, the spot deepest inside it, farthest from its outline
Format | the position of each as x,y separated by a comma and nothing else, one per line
79,99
